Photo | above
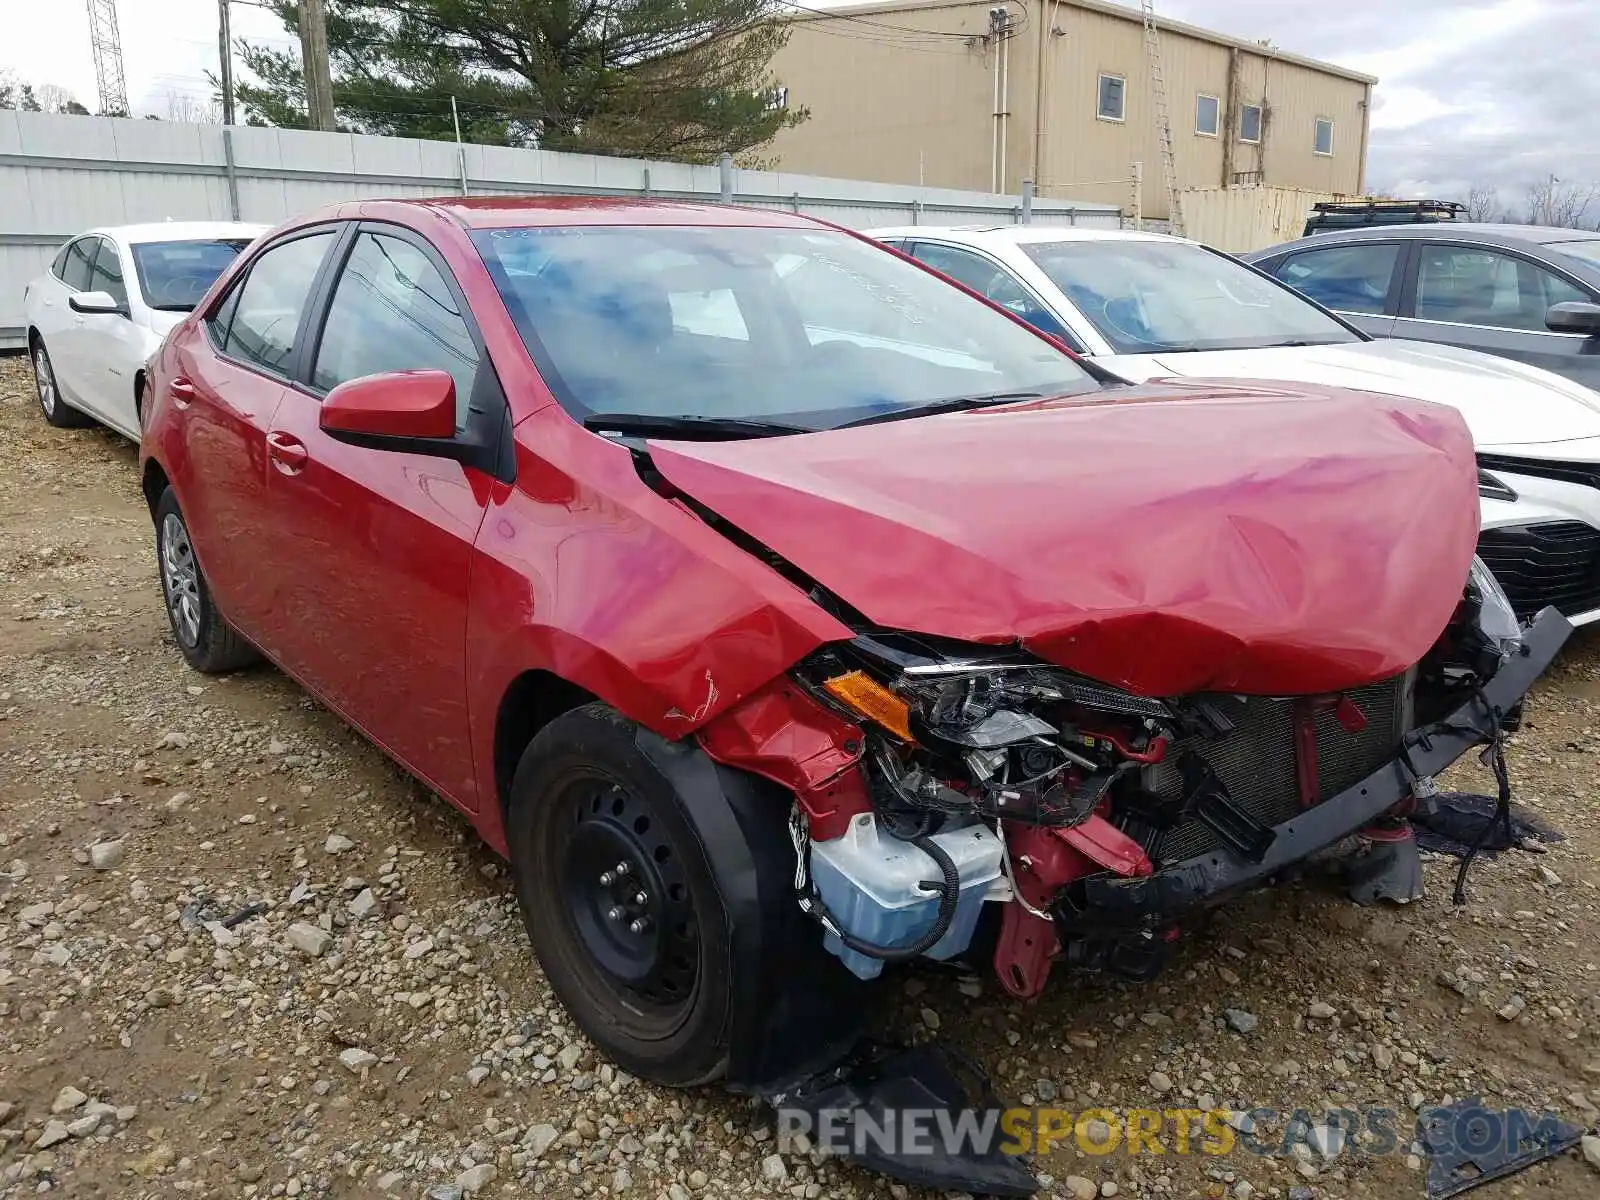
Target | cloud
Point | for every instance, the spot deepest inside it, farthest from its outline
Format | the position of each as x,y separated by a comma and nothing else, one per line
1491,92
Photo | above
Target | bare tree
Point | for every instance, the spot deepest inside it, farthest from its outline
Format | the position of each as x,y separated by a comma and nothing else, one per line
191,110
54,98
1564,205
1483,203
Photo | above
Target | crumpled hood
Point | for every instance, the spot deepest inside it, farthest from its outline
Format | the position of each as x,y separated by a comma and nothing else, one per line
1505,403
1165,539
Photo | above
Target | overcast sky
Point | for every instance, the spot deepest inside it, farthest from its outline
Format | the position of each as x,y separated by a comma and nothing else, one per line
1471,91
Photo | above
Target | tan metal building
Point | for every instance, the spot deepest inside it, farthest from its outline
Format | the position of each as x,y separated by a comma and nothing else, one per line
981,94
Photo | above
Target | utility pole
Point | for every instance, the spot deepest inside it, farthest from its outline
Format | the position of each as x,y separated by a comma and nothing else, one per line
314,52
225,49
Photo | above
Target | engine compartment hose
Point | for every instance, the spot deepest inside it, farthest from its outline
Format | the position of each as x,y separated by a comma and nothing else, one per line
949,889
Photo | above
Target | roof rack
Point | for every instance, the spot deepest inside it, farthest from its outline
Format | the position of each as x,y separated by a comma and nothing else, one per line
1438,209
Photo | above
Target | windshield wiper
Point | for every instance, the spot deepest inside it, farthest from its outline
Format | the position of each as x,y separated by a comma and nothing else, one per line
953,404
686,426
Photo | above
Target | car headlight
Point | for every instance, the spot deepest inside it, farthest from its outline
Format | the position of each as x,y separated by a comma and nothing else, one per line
1496,620
990,732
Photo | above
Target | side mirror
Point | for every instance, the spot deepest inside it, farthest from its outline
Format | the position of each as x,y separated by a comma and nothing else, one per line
94,303
1573,316
381,411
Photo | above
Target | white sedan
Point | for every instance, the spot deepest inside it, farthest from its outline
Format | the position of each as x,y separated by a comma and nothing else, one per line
110,296
1147,306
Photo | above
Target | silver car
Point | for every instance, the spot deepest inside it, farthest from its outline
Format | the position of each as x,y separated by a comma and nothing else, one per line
1527,292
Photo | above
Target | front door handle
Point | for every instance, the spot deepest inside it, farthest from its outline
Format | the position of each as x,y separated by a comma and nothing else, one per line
288,454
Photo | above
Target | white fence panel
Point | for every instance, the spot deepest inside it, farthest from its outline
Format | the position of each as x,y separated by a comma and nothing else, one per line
60,175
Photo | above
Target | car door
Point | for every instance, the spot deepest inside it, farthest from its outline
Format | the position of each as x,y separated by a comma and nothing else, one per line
1361,281
1493,299
111,347
230,380
63,336
373,547
990,279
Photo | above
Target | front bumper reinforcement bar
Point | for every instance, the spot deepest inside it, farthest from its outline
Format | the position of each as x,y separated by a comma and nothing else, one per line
1115,903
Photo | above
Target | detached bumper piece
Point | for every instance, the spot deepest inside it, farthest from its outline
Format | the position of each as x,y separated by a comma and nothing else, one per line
1469,1145
865,1098
1168,894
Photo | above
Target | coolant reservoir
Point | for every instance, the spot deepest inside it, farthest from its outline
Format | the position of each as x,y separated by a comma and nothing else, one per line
869,881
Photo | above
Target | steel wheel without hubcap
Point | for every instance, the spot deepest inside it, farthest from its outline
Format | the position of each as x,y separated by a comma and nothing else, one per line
45,378
180,579
627,897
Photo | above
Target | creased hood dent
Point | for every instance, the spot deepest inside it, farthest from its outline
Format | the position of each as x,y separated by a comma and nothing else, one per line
1166,539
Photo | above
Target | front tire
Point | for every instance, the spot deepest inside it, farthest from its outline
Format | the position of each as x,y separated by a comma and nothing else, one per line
55,409
208,642
619,900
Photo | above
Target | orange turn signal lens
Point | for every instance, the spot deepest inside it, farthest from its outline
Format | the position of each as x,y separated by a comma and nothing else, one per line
865,695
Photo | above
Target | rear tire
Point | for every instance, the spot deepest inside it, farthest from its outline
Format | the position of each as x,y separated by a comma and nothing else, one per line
207,641
55,409
619,899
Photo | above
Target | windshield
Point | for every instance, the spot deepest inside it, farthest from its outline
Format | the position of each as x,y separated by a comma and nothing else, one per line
174,276
1586,252
812,329
1149,297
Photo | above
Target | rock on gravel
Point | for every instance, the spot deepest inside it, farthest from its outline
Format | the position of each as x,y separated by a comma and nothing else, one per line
1079,1188
67,1099
105,856
357,1060
309,939
54,1132
1591,1150
337,843
1241,1021
475,1178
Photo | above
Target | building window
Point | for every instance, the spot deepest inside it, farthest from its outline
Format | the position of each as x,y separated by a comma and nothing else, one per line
1323,142
1207,115
1250,122
1112,88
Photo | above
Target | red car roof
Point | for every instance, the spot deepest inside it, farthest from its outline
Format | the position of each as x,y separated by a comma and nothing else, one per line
502,212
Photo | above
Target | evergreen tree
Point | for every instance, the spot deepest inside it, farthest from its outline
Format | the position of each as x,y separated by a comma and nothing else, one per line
685,80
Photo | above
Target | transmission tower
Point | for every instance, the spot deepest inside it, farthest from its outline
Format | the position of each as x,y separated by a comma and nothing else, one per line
108,56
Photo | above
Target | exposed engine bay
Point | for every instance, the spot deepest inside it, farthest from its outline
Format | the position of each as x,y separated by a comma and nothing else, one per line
990,779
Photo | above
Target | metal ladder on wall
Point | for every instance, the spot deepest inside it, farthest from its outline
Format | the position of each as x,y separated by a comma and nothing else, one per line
1158,88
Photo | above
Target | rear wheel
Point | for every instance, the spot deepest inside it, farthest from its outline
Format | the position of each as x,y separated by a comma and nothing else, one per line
619,899
207,641
56,410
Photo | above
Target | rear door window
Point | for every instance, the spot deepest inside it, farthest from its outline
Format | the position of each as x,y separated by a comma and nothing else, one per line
1348,278
1473,285
266,315
80,263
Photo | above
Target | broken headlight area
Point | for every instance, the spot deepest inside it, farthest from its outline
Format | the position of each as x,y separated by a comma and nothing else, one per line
991,776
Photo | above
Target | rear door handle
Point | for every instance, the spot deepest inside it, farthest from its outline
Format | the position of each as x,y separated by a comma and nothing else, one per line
182,392
288,454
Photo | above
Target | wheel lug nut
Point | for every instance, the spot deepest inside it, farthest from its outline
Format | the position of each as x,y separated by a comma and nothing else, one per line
641,897
622,868
639,925
607,879
615,913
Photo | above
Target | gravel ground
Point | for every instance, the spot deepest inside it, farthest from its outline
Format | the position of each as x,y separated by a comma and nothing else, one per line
374,1024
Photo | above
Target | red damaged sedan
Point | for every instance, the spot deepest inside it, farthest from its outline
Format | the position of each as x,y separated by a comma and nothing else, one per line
782,611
